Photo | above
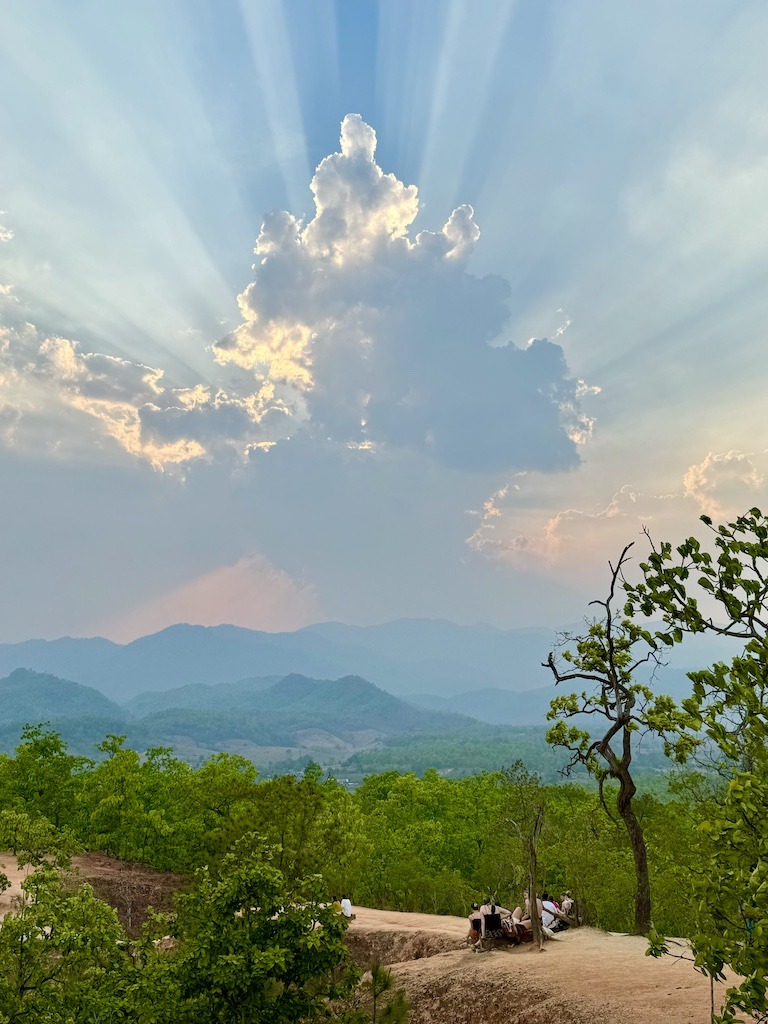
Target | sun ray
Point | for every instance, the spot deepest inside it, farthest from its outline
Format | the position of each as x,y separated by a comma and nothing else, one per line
273,60
461,91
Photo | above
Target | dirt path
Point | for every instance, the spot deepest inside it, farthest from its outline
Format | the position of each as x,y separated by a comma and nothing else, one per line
129,888
16,876
584,976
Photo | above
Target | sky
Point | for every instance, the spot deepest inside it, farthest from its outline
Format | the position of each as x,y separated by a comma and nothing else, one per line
354,310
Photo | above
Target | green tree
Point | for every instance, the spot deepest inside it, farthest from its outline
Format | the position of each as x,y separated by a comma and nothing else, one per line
248,947
380,983
422,843
134,807
218,803
527,823
33,840
609,657
42,778
62,957
112,799
254,948
315,826
724,591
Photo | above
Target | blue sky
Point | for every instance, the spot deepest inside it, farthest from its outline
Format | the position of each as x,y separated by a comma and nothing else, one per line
370,431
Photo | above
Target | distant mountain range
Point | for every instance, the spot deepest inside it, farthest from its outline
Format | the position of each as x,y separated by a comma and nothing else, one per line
487,672
529,707
402,657
344,706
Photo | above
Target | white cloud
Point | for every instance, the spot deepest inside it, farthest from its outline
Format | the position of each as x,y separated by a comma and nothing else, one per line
563,327
252,593
386,337
519,525
572,542
727,484
47,381
6,290
164,425
9,420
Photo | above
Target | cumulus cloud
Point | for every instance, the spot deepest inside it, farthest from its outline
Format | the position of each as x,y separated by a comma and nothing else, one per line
130,401
726,484
518,526
6,290
252,593
47,379
571,540
386,338
354,332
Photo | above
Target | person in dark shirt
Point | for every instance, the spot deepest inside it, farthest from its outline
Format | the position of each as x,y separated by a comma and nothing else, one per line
475,924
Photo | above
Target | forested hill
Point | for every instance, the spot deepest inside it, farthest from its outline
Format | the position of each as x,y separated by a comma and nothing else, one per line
28,696
339,706
265,719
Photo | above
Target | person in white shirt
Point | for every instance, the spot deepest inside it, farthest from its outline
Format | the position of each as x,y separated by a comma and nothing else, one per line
551,915
346,907
525,916
548,911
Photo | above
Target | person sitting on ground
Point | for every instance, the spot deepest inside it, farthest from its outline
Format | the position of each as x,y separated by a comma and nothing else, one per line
475,924
524,916
551,915
491,918
568,905
514,932
548,910
346,908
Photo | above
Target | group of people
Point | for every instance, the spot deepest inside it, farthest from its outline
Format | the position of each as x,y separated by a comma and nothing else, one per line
491,921
343,905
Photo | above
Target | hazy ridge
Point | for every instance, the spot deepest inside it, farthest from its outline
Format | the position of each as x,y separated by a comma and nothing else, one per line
406,656
407,694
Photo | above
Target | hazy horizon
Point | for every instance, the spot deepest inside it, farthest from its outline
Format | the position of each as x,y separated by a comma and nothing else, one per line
308,626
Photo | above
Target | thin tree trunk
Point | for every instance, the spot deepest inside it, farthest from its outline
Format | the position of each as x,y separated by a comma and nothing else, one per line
533,902
637,840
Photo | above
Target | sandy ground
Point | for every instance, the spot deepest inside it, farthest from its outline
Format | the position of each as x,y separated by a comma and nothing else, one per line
584,976
129,888
16,876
